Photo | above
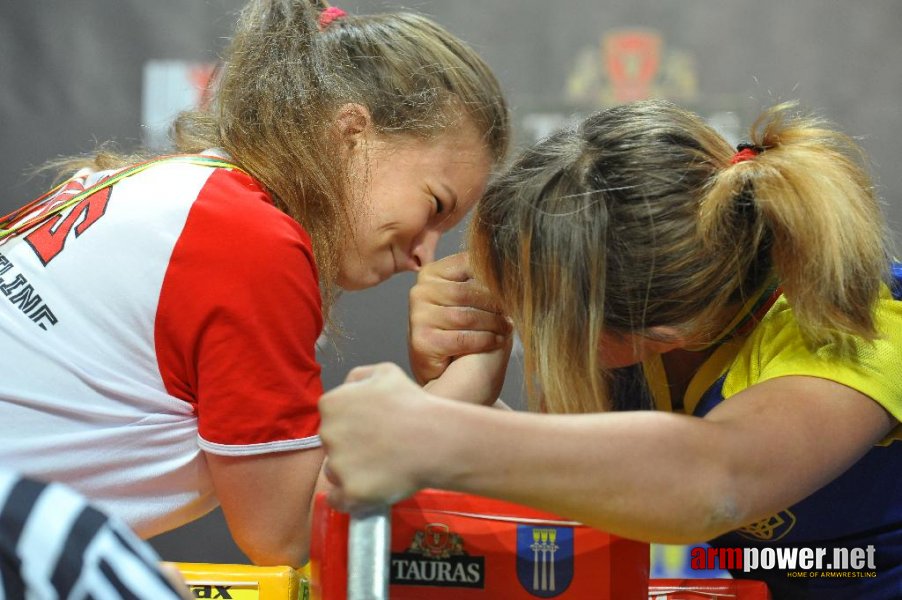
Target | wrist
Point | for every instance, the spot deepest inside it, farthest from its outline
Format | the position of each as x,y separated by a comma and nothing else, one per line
441,465
473,379
426,455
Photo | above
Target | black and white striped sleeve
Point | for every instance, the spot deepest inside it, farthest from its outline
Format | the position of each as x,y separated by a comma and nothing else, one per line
53,544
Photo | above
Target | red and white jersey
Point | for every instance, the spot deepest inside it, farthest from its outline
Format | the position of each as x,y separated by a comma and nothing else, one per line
172,312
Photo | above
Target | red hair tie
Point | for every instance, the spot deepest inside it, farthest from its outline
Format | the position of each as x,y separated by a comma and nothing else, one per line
330,14
745,152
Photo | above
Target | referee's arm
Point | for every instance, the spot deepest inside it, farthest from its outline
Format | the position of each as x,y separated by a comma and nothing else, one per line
53,544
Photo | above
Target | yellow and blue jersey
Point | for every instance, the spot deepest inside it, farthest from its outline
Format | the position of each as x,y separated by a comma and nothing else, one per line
863,506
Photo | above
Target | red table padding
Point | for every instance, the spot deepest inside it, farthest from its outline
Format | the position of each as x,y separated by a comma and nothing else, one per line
447,545
707,589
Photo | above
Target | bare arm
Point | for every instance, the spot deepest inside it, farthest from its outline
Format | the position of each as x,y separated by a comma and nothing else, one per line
645,475
267,499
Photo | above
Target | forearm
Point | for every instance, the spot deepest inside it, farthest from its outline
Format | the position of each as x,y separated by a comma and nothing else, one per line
641,475
267,501
659,476
474,378
645,475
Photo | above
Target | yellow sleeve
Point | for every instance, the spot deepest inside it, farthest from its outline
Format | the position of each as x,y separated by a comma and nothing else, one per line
776,348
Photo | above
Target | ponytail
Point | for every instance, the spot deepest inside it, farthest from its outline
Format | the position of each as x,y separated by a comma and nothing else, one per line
807,203
274,108
640,222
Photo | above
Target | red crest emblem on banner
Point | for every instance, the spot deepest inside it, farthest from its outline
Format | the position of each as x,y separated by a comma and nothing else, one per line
437,538
631,60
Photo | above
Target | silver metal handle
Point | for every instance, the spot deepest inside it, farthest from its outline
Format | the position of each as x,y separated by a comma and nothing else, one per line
369,553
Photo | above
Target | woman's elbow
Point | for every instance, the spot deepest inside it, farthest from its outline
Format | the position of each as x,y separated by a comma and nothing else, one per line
707,512
266,549
724,514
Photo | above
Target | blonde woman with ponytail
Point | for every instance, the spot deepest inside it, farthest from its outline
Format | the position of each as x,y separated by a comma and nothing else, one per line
714,332
159,315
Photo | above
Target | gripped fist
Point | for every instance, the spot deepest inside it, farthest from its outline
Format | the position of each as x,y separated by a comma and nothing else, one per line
452,315
367,426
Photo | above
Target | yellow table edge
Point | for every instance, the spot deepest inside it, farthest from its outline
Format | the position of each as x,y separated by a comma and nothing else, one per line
244,581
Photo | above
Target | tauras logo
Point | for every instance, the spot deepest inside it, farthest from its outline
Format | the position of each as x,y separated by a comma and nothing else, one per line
459,571
436,558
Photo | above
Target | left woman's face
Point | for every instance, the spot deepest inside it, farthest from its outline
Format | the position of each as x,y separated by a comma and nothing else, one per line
414,190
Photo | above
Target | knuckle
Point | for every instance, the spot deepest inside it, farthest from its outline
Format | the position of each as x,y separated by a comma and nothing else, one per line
355,371
417,291
441,343
325,435
473,295
465,318
389,367
464,339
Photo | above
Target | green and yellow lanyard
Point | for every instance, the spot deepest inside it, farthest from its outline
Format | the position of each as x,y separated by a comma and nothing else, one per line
25,218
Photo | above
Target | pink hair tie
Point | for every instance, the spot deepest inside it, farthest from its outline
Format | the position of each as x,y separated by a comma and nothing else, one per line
330,14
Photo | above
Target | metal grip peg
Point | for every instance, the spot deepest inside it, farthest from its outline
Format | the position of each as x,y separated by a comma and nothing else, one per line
369,553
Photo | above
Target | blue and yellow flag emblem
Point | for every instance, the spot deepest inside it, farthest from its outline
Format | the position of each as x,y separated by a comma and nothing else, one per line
544,559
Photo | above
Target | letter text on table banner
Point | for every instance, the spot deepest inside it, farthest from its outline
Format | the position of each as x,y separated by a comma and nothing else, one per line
225,591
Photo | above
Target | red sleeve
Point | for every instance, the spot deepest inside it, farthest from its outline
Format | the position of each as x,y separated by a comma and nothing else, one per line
237,322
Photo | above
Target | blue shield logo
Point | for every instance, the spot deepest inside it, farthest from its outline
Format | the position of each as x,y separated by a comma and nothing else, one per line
544,559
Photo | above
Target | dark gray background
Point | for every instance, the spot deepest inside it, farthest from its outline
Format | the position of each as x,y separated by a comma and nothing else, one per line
70,77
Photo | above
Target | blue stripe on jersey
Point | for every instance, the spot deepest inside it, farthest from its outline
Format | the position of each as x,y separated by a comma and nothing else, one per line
897,281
